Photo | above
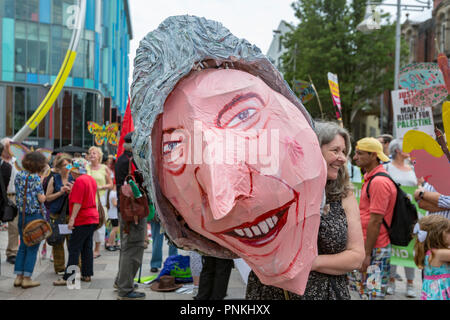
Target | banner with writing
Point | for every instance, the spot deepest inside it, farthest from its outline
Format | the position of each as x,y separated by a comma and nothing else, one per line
400,256
425,83
334,88
407,117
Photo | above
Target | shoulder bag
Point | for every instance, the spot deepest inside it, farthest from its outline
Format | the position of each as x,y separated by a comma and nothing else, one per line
9,211
37,230
101,213
56,237
131,208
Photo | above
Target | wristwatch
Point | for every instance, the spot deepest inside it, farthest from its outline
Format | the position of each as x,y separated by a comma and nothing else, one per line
421,194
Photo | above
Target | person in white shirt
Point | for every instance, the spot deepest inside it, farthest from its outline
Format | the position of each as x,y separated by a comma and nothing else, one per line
402,173
13,231
111,206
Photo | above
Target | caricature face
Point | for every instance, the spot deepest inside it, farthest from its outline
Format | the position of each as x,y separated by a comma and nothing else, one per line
243,167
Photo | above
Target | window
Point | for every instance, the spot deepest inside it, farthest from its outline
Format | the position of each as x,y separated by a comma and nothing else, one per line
44,41
56,58
31,105
8,8
78,123
19,108
77,71
89,54
57,123
66,119
21,9
20,47
62,14
89,108
32,48
33,10
57,12
9,110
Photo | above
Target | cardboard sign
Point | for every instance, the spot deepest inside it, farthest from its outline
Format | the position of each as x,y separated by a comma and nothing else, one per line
424,82
408,117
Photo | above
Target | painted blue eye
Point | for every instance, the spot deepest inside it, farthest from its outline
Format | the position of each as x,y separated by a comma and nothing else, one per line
170,146
242,117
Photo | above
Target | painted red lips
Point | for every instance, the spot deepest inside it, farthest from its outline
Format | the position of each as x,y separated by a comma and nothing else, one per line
262,230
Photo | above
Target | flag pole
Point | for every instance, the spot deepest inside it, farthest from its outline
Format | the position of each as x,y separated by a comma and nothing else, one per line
317,95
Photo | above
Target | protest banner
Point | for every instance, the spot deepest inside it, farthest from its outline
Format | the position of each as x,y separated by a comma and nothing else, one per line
407,117
334,88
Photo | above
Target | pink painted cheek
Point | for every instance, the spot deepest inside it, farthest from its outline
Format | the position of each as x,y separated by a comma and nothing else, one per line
294,150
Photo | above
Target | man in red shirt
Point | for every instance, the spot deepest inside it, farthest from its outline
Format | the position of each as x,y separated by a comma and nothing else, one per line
83,221
372,279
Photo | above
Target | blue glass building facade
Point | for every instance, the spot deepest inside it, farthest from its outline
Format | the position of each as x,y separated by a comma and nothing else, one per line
34,37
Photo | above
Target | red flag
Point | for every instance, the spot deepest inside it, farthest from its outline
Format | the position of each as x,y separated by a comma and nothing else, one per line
127,126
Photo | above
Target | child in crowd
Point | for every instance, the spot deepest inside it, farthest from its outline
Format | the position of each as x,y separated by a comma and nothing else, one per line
111,206
432,254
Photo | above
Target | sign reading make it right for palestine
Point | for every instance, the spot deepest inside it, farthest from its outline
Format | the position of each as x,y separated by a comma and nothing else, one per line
407,117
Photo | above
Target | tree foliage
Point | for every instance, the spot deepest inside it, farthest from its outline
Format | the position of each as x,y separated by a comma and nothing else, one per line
326,40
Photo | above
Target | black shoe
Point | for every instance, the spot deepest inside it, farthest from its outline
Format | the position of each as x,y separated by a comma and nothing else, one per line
111,248
11,259
154,270
133,295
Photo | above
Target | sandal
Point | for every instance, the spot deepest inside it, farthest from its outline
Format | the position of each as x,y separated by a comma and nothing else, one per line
86,279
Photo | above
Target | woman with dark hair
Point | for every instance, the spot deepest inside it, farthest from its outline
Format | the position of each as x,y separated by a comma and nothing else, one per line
340,238
57,193
28,185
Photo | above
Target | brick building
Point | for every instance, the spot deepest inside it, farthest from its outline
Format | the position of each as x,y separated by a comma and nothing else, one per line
422,36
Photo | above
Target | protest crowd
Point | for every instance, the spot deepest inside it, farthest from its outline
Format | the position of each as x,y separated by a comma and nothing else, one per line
352,204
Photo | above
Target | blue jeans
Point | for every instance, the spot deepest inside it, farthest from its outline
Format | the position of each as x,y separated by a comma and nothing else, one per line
26,256
157,245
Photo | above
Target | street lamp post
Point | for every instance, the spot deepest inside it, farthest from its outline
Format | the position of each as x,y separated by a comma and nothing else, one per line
363,26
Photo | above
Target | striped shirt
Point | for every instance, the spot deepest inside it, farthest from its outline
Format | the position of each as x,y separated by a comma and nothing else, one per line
444,202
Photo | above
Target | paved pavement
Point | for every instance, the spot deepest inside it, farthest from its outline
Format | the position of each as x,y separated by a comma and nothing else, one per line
105,269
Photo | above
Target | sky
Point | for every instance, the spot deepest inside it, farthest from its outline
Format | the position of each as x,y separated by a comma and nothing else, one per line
253,20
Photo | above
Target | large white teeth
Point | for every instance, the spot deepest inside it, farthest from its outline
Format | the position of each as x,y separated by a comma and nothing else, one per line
256,230
248,232
262,228
270,222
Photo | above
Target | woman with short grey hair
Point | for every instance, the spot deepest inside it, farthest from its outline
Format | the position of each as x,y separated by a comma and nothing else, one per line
402,173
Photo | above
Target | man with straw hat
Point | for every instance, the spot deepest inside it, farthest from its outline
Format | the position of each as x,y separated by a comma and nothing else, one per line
372,279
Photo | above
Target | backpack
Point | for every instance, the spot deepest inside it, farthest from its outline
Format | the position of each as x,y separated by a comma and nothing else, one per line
404,216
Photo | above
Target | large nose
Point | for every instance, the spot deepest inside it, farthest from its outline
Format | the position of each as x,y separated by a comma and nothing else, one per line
224,185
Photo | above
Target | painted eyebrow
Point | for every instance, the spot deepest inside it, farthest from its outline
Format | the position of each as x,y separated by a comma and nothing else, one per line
171,130
233,102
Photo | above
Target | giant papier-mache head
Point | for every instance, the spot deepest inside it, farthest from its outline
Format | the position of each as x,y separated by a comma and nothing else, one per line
228,152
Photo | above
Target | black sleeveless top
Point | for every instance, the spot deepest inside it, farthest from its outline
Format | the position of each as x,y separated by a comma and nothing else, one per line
332,239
